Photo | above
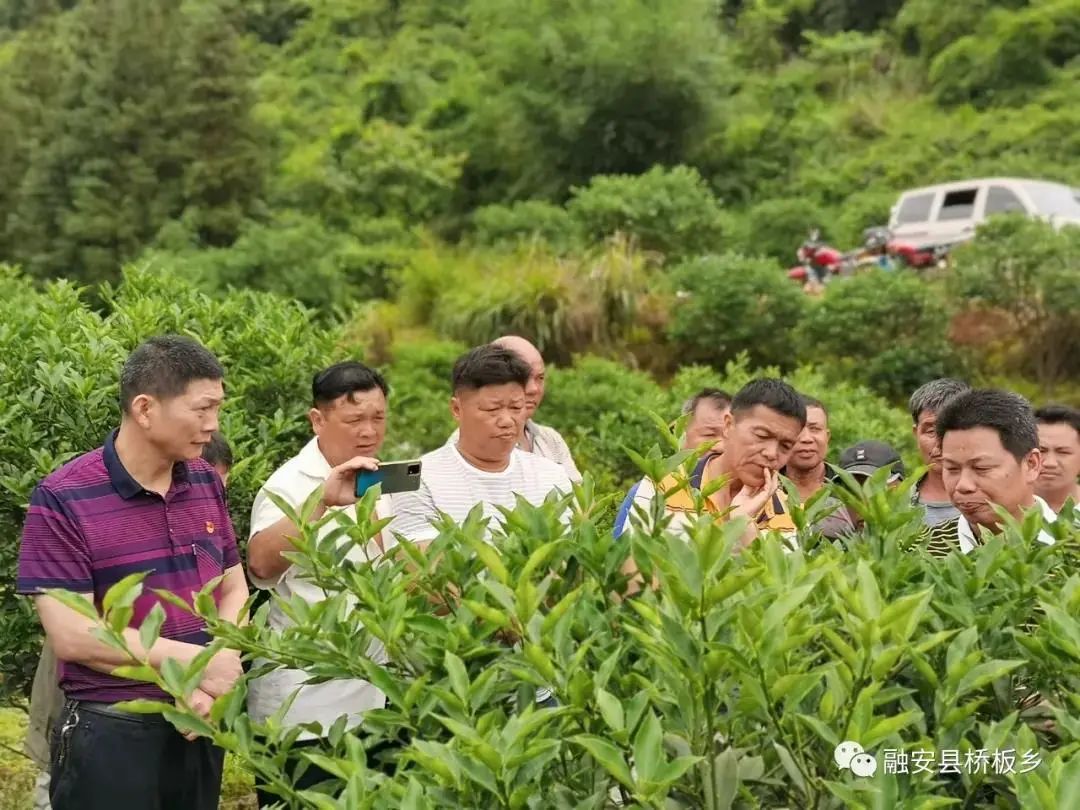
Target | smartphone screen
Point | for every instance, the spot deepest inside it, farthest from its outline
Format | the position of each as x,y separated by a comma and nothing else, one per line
366,479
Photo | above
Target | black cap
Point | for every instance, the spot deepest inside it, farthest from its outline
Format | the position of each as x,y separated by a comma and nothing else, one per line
866,458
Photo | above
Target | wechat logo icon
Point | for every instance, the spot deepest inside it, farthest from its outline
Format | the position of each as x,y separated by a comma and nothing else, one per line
850,756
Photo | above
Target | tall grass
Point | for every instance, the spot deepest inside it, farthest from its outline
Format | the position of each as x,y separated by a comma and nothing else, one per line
565,305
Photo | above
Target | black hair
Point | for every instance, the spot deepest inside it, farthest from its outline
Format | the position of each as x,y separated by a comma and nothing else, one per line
345,379
217,452
721,399
1059,415
1009,414
776,395
934,395
489,365
812,402
164,366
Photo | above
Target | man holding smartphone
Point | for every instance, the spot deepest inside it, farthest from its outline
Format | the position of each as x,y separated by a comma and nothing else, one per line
348,418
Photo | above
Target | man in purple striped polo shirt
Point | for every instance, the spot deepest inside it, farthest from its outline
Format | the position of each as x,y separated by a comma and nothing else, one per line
145,501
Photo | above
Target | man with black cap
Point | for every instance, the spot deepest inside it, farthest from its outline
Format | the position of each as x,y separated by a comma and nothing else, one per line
865,458
861,461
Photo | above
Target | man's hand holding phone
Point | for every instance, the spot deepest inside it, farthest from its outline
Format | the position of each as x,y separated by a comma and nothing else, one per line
340,486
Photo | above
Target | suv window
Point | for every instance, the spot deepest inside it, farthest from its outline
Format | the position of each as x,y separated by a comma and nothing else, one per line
999,200
915,209
958,204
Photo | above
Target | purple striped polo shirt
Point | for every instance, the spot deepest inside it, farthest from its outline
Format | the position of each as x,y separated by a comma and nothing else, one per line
90,524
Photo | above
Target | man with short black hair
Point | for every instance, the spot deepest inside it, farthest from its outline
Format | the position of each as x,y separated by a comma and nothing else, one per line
484,465
760,433
806,468
989,458
348,417
1059,443
46,697
705,425
542,440
144,502
925,404
809,472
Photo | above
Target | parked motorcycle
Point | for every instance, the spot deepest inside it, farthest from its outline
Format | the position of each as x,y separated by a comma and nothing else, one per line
920,258
880,241
817,262
820,261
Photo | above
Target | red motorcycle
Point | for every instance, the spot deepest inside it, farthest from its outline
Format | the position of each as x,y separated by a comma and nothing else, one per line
818,261
880,241
918,258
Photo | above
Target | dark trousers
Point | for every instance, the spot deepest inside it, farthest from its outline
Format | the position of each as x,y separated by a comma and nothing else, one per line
379,757
104,760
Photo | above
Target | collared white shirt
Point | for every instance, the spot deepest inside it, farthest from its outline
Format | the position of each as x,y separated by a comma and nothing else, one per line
965,533
293,482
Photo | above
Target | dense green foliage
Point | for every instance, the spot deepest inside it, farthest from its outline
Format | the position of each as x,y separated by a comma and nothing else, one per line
424,111
1030,274
623,182
58,387
366,156
730,685
731,304
134,127
890,328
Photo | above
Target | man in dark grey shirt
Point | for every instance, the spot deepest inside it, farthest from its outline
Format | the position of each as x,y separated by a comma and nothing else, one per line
929,492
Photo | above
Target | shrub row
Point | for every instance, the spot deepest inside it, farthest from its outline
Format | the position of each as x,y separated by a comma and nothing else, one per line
58,389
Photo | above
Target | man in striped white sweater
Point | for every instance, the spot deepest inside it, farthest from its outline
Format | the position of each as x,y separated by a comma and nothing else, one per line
543,440
483,464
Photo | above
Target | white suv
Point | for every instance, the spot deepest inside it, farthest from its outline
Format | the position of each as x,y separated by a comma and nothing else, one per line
949,213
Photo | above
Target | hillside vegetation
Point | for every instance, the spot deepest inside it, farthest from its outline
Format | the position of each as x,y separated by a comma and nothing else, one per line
623,182
457,168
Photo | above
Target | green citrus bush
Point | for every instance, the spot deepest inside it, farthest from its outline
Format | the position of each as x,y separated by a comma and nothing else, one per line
730,684
62,356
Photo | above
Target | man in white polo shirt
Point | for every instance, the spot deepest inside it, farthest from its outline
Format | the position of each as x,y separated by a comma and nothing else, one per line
989,457
348,418
484,465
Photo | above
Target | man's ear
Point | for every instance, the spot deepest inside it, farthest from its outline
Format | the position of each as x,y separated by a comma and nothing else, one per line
729,423
1032,466
315,416
455,408
140,410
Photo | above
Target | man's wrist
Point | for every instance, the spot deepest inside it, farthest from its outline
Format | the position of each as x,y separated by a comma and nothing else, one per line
182,652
